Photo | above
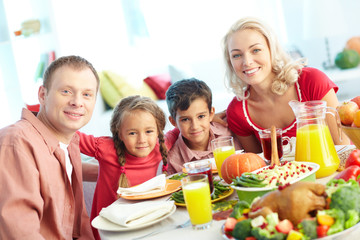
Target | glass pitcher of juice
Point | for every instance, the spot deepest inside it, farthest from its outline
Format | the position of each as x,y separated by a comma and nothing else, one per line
313,139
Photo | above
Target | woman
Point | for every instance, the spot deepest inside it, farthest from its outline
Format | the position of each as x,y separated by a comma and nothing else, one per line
264,80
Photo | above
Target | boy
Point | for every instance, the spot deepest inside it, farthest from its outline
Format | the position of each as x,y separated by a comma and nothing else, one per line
190,106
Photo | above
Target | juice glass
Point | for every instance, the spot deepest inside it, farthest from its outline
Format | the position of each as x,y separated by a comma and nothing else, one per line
201,167
198,200
222,148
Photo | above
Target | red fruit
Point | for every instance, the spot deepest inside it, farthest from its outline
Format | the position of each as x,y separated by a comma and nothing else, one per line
230,224
284,226
353,158
321,230
237,164
356,100
347,112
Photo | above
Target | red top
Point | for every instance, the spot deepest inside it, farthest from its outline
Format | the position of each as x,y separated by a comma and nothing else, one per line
311,85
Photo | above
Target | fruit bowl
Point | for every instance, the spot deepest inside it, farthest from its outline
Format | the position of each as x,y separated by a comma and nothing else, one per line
353,133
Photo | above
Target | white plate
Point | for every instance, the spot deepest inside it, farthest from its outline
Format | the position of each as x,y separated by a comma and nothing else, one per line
102,223
315,167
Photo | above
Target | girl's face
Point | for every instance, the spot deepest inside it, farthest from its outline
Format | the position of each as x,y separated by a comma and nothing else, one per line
250,57
139,133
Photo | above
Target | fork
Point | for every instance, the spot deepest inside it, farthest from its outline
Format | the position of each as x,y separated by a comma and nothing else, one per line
185,224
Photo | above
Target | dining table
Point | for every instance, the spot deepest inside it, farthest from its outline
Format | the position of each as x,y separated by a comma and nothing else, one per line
180,216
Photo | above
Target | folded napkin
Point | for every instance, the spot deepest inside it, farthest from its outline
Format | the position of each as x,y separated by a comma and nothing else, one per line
156,184
131,215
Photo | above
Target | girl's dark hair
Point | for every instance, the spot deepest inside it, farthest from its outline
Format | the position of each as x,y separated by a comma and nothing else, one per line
125,106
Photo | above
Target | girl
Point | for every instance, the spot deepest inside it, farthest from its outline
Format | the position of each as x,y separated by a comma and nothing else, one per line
133,154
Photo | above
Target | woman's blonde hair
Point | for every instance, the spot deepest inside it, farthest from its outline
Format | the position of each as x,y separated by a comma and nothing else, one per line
124,107
286,70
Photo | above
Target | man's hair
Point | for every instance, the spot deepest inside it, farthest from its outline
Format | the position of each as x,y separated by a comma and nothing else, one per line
182,93
74,62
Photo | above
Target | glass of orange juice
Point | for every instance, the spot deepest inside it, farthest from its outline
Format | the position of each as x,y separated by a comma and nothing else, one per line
222,148
198,200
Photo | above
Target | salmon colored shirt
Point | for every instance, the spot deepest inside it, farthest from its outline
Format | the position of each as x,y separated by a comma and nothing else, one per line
37,200
180,153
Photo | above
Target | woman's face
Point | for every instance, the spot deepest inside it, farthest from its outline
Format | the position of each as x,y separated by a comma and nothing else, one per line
250,57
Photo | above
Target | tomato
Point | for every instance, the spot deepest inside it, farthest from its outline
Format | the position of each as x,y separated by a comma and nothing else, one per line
230,224
353,159
322,230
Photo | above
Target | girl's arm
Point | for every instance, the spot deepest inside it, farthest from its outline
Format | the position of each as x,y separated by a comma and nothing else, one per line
87,144
332,101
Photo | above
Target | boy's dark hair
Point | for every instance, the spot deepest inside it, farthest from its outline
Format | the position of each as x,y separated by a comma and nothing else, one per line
182,93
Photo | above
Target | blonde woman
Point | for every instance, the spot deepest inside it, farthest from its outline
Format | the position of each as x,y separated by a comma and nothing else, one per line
264,79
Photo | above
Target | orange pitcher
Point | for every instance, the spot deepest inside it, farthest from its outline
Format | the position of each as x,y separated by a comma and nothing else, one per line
313,139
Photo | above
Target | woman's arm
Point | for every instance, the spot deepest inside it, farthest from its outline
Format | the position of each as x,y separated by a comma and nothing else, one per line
250,143
332,101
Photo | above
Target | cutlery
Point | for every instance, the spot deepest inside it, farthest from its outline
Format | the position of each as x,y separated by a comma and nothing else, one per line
185,224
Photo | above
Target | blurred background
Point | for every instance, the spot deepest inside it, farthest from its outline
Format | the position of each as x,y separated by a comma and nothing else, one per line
147,37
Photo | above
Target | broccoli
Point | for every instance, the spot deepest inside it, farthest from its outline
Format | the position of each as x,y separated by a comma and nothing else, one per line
308,228
242,229
345,198
264,234
334,184
239,208
352,218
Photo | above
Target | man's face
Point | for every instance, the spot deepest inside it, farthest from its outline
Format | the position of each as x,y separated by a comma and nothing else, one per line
194,124
69,102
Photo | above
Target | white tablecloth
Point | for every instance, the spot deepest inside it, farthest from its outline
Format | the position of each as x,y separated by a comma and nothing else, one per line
181,215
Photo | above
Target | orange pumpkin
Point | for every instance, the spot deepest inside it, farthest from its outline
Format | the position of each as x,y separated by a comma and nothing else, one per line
354,43
237,164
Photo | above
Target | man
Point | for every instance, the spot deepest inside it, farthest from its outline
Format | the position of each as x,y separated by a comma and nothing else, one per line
40,175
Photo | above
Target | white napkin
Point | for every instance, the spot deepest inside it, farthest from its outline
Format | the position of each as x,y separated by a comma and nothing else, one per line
130,215
156,184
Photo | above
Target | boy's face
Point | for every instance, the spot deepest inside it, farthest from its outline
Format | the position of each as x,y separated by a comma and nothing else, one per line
194,124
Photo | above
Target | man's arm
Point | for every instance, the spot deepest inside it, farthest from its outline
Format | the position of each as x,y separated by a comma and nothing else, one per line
90,171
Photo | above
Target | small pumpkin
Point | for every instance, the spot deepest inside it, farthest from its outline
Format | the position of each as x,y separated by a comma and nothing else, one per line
237,164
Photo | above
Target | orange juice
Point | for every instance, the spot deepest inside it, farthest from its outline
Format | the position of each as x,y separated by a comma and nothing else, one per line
314,144
198,202
220,154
